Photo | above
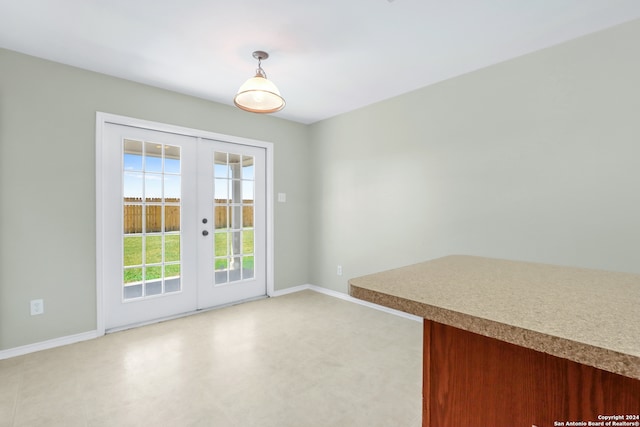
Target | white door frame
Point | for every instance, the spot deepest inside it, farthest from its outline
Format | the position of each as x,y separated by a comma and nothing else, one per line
104,118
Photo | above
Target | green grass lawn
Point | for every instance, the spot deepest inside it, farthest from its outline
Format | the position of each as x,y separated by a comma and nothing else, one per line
222,249
133,256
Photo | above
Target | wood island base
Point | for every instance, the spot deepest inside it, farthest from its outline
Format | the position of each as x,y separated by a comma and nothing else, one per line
473,380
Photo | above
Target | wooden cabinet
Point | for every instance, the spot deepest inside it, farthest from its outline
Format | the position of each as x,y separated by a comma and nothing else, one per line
473,380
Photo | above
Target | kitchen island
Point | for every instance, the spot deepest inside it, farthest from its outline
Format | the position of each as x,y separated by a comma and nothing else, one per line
510,343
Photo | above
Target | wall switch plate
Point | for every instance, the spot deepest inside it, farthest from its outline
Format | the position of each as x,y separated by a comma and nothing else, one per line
37,307
282,197
339,270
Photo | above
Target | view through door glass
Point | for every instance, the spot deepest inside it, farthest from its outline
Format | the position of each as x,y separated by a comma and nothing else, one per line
151,219
234,247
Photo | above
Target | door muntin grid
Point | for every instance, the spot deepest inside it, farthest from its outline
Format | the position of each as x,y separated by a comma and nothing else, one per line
234,217
151,219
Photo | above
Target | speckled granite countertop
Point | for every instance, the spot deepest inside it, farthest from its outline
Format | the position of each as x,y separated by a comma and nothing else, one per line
588,316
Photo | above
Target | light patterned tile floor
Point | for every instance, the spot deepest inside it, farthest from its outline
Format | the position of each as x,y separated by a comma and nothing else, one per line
303,359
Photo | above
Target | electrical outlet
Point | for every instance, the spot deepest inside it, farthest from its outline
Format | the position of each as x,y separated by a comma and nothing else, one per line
339,270
37,307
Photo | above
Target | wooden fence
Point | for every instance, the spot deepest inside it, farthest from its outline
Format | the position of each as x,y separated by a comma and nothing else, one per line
133,215
220,215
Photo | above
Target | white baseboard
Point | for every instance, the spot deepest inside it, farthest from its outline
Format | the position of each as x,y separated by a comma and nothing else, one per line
45,345
72,339
290,290
346,297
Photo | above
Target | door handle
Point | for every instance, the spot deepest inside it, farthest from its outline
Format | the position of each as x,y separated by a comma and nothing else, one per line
205,233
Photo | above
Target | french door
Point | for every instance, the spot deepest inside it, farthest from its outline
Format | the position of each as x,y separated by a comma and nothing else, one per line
231,208
183,223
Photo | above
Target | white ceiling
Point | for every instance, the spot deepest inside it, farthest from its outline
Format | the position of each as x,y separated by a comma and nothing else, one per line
327,57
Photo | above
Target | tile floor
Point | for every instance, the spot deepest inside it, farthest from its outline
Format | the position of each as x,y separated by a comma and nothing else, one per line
303,359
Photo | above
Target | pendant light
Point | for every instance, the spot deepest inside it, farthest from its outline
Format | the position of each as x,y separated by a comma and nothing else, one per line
259,95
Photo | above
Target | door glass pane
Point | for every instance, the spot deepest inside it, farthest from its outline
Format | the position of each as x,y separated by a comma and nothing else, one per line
235,269
234,184
171,188
153,187
152,273
171,159
172,271
221,277
220,167
234,160
132,250
235,242
247,168
134,291
152,157
153,287
247,249
236,217
235,190
153,249
172,278
133,186
132,275
247,191
171,247
221,244
132,155
247,216
221,190
171,217
220,215
151,218
247,267
222,264
247,241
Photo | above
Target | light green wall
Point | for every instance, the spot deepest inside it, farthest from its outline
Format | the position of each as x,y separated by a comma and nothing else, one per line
537,158
47,186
